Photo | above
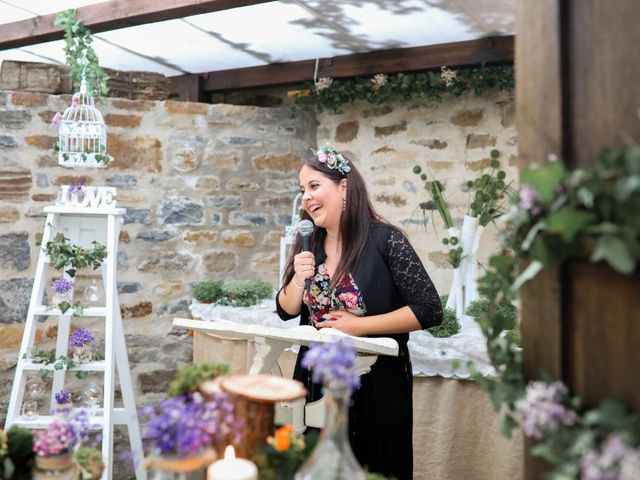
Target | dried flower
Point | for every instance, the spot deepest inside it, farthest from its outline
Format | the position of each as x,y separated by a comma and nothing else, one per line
378,81
448,76
81,337
334,364
323,83
186,424
62,397
542,409
529,199
57,118
62,285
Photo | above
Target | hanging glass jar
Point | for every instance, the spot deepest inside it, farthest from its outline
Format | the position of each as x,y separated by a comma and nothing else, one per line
333,459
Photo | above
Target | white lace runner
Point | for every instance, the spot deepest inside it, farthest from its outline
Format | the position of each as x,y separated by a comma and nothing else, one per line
430,356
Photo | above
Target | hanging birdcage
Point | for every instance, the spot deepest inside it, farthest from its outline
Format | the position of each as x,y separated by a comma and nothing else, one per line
82,137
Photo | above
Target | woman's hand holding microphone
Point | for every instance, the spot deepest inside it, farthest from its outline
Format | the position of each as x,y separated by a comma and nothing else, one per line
304,267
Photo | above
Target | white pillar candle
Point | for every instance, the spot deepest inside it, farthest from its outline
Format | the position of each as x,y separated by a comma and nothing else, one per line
232,468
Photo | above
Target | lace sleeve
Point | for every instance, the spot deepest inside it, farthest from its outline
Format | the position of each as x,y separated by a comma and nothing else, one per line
412,280
282,313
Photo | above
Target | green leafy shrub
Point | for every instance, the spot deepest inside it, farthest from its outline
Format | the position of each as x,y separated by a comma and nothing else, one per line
450,324
190,376
245,293
507,311
208,291
17,463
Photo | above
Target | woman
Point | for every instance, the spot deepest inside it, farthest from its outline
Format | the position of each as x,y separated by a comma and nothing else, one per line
365,279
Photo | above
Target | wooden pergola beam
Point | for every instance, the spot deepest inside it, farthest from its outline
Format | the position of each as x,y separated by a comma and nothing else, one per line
491,50
112,15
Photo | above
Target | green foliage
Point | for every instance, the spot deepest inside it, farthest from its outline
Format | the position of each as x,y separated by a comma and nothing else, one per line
208,291
450,324
274,464
75,306
80,55
189,377
65,255
406,86
237,293
59,363
507,311
489,192
90,461
17,463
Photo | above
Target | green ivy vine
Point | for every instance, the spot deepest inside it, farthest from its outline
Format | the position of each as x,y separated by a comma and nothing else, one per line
331,94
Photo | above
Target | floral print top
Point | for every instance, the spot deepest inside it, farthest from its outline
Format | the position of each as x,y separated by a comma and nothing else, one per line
321,299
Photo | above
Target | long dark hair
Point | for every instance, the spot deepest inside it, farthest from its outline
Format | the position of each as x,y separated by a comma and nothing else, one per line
354,223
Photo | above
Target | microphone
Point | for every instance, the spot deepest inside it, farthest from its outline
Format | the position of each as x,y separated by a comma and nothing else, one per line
305,229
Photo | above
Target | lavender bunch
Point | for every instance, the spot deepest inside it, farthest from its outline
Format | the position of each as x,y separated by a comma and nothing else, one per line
333,364
81,337
62,285
542,409
615,461
186,424
62,397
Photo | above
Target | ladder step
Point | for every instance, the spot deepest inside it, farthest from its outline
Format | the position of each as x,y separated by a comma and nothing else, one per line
86,312
95,421
86,367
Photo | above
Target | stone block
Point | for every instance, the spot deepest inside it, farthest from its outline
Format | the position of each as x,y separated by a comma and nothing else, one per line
165,262
248,219
238,238
7,142
129,287
180,211
14,119
155,235
207,183
43,142
467,118
142,154
385,149
122,181
42,180
391,199
71,179
169,288
200,237
15,294
29,99
134,215
11,336
122,121
390,129
278,201
186,108
185,159
478,165
219,261
9,214
475,140
377,111
136,105
347,131
43,197
156,381
242,185
433,144
226,201
15,252
439,259
47,115
141,309
176,308
245,141
287,163
265,261
223,160
289,186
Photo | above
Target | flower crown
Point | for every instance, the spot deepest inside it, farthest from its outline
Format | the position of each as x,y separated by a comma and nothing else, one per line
332,159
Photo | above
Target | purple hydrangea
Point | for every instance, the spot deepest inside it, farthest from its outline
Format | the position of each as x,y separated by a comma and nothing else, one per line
542,409
333,364
81,337
63,397
605,464
77,189
186,424
62,285
529,199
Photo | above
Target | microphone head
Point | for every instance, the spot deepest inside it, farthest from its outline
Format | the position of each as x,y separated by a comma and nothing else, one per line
305,228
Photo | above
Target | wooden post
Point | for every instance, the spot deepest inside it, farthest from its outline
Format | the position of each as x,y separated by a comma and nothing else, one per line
576,90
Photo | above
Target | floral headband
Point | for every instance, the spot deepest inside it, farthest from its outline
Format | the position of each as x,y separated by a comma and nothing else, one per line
332,159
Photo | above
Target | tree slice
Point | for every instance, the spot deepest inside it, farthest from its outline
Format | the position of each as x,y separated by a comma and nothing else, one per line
263,388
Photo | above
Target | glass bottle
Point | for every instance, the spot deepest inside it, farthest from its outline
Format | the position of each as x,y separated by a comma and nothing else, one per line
333,459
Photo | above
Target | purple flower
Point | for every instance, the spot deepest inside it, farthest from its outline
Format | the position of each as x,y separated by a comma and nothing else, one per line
542,409
81,337
334,364
62,285
58,438
77,188
630,465
605,465
57,118
63,397
529,199
186,424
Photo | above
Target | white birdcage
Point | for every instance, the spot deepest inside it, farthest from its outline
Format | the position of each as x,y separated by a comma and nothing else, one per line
82,135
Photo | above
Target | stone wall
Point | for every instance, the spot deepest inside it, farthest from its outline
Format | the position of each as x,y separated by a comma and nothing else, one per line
208,189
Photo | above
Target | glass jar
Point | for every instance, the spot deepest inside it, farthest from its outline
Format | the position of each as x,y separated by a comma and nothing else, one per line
333,459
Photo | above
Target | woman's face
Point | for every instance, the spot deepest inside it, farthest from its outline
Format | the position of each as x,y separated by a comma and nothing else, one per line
322,199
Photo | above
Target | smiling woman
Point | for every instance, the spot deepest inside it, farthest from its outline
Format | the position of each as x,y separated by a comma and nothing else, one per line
361,277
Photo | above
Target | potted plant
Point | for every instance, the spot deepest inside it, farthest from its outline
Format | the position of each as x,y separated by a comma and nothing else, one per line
63,405
82,342
208,291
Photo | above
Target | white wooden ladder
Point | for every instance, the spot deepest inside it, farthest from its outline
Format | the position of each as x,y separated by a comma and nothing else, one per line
95,217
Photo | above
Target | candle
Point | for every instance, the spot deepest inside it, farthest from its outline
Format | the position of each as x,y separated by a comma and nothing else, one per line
232,468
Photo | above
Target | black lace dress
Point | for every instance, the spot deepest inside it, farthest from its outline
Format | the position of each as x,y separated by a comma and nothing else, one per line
389,276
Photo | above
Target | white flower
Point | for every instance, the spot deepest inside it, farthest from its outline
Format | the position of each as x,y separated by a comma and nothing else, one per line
322,83
448,76
378,81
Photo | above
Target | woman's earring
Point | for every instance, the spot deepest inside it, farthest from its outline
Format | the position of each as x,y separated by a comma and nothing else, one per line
344,204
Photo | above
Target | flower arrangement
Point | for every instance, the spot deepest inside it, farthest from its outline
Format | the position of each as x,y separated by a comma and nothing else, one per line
59,438
187,424
81,337
332,158
62,397
283,453
62,285
77,190
588,213
490,192
333,364
70,257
